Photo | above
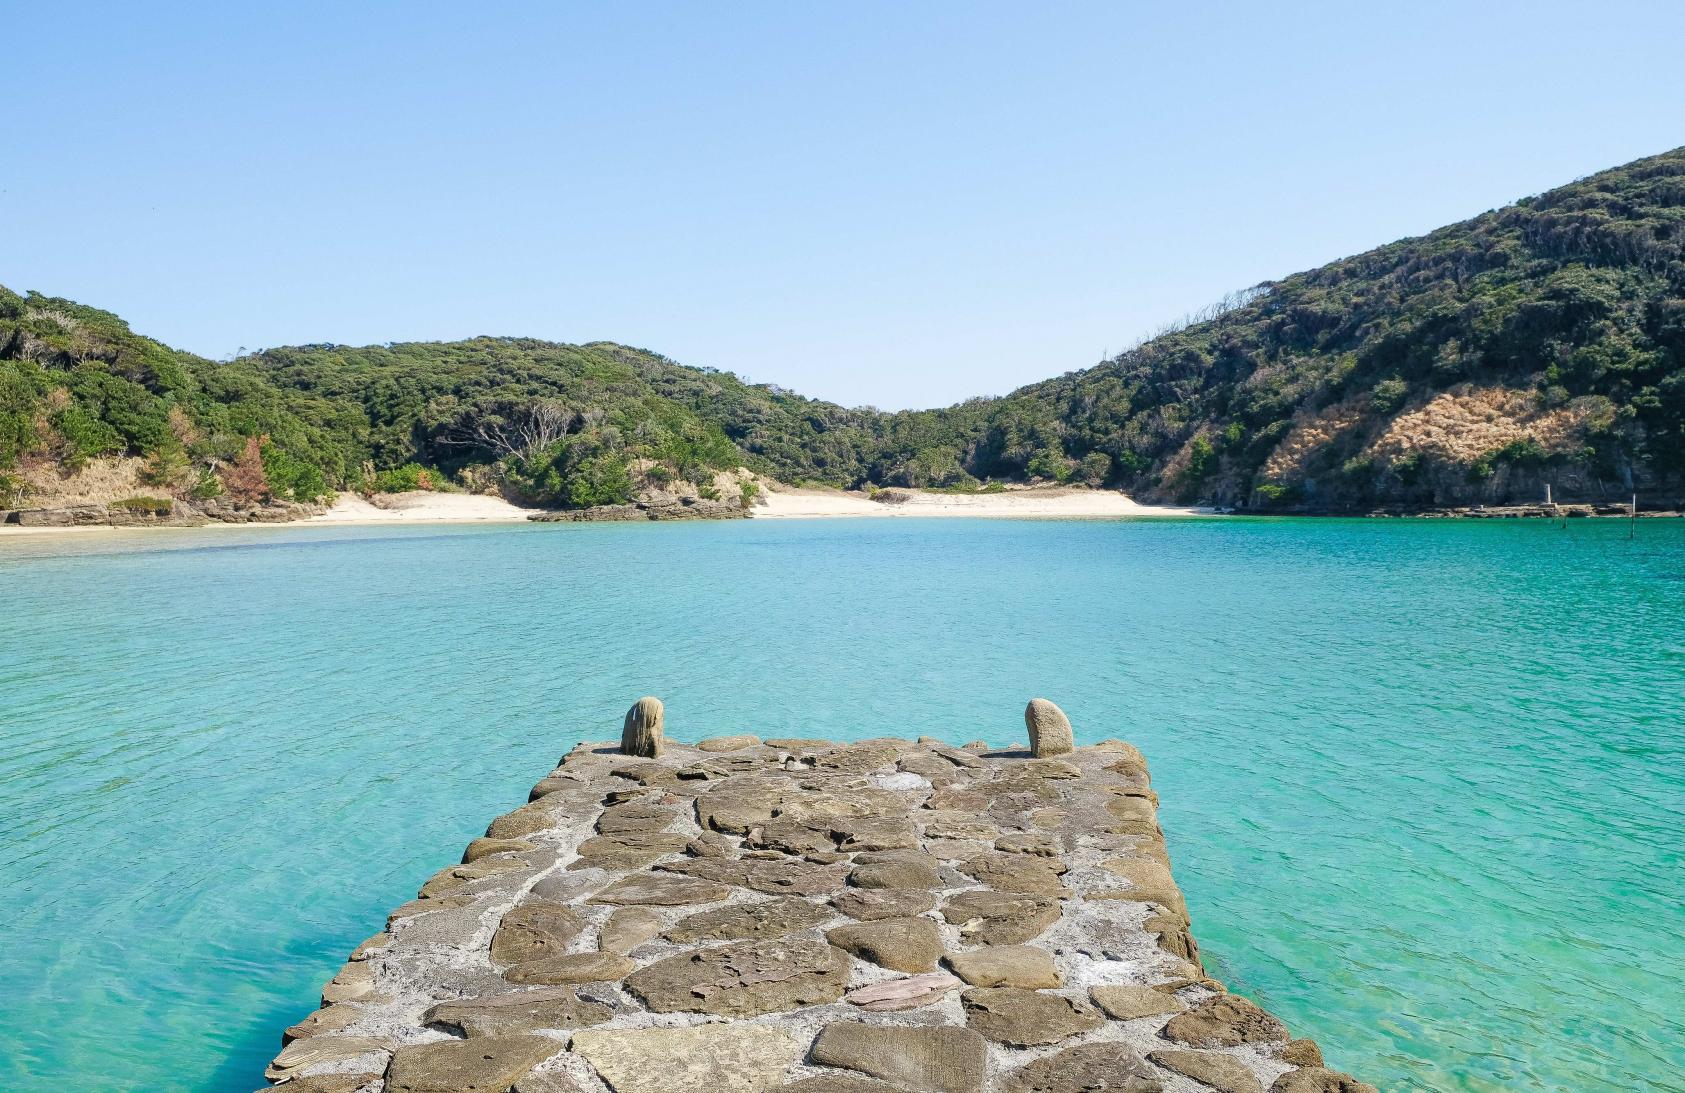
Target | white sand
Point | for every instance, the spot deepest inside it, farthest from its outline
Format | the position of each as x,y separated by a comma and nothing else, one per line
349,509
784,503
780,503
419,507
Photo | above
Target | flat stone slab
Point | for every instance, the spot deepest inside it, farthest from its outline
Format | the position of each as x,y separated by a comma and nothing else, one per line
534,930
482,1065
1087,1068
509,1015
1221,1072
769,918
1129,1002
940,1059
902,944
1007,966
720,1058
911,992
743,979
662,890
1023,1018
598,967
889,916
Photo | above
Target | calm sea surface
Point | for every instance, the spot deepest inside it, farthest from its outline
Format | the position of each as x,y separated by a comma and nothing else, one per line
1424,782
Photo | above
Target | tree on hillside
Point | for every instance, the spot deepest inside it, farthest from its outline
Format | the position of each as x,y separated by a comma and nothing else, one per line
244,480
523,430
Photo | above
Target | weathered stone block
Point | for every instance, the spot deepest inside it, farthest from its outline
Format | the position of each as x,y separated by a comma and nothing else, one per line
1050,729
642,733
941,1059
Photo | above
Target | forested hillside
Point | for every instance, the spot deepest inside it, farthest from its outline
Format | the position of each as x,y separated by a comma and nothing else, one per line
1542,342
550,424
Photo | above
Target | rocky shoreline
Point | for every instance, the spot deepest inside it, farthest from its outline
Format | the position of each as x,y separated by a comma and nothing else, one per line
184,514
795,915
1497,512
178,514
199,514
674,508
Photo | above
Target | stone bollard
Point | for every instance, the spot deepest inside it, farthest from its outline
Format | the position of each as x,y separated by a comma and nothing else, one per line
642,732
1050,729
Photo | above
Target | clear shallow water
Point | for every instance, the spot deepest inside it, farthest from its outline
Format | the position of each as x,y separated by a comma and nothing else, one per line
1424,782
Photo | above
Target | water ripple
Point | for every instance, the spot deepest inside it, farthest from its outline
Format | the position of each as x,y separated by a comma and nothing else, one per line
1424,781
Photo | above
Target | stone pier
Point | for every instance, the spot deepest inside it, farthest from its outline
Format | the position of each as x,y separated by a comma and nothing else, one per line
744,915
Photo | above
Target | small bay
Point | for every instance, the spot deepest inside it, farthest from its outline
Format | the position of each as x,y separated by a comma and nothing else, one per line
1423,781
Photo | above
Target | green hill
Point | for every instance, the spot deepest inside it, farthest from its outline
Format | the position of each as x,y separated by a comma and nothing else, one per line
569,425
1542,342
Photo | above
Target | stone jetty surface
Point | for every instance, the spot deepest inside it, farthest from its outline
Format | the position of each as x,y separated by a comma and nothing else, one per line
886,916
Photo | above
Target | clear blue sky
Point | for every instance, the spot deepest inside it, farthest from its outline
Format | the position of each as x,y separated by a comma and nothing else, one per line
887,203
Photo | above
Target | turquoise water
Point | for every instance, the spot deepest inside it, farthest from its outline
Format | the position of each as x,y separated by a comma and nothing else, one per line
1424,781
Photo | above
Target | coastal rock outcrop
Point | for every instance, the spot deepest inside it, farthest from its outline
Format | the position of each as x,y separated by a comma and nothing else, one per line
887,916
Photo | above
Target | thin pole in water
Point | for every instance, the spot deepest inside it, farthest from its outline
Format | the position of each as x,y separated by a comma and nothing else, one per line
1632,521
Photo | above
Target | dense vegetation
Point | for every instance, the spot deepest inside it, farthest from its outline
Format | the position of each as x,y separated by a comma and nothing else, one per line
1576,296
1574,299
552,424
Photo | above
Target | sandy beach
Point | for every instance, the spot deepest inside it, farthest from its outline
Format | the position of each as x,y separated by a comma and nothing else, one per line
790,503
778,503
348,510
420,507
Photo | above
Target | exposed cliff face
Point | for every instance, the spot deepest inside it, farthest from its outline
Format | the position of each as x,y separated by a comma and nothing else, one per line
1467,445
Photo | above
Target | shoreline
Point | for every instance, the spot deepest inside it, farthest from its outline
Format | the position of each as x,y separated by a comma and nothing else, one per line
779,502
814,503
421,508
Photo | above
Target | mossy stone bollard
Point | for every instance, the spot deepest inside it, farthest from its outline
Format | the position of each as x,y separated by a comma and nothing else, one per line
642,732
1050,729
